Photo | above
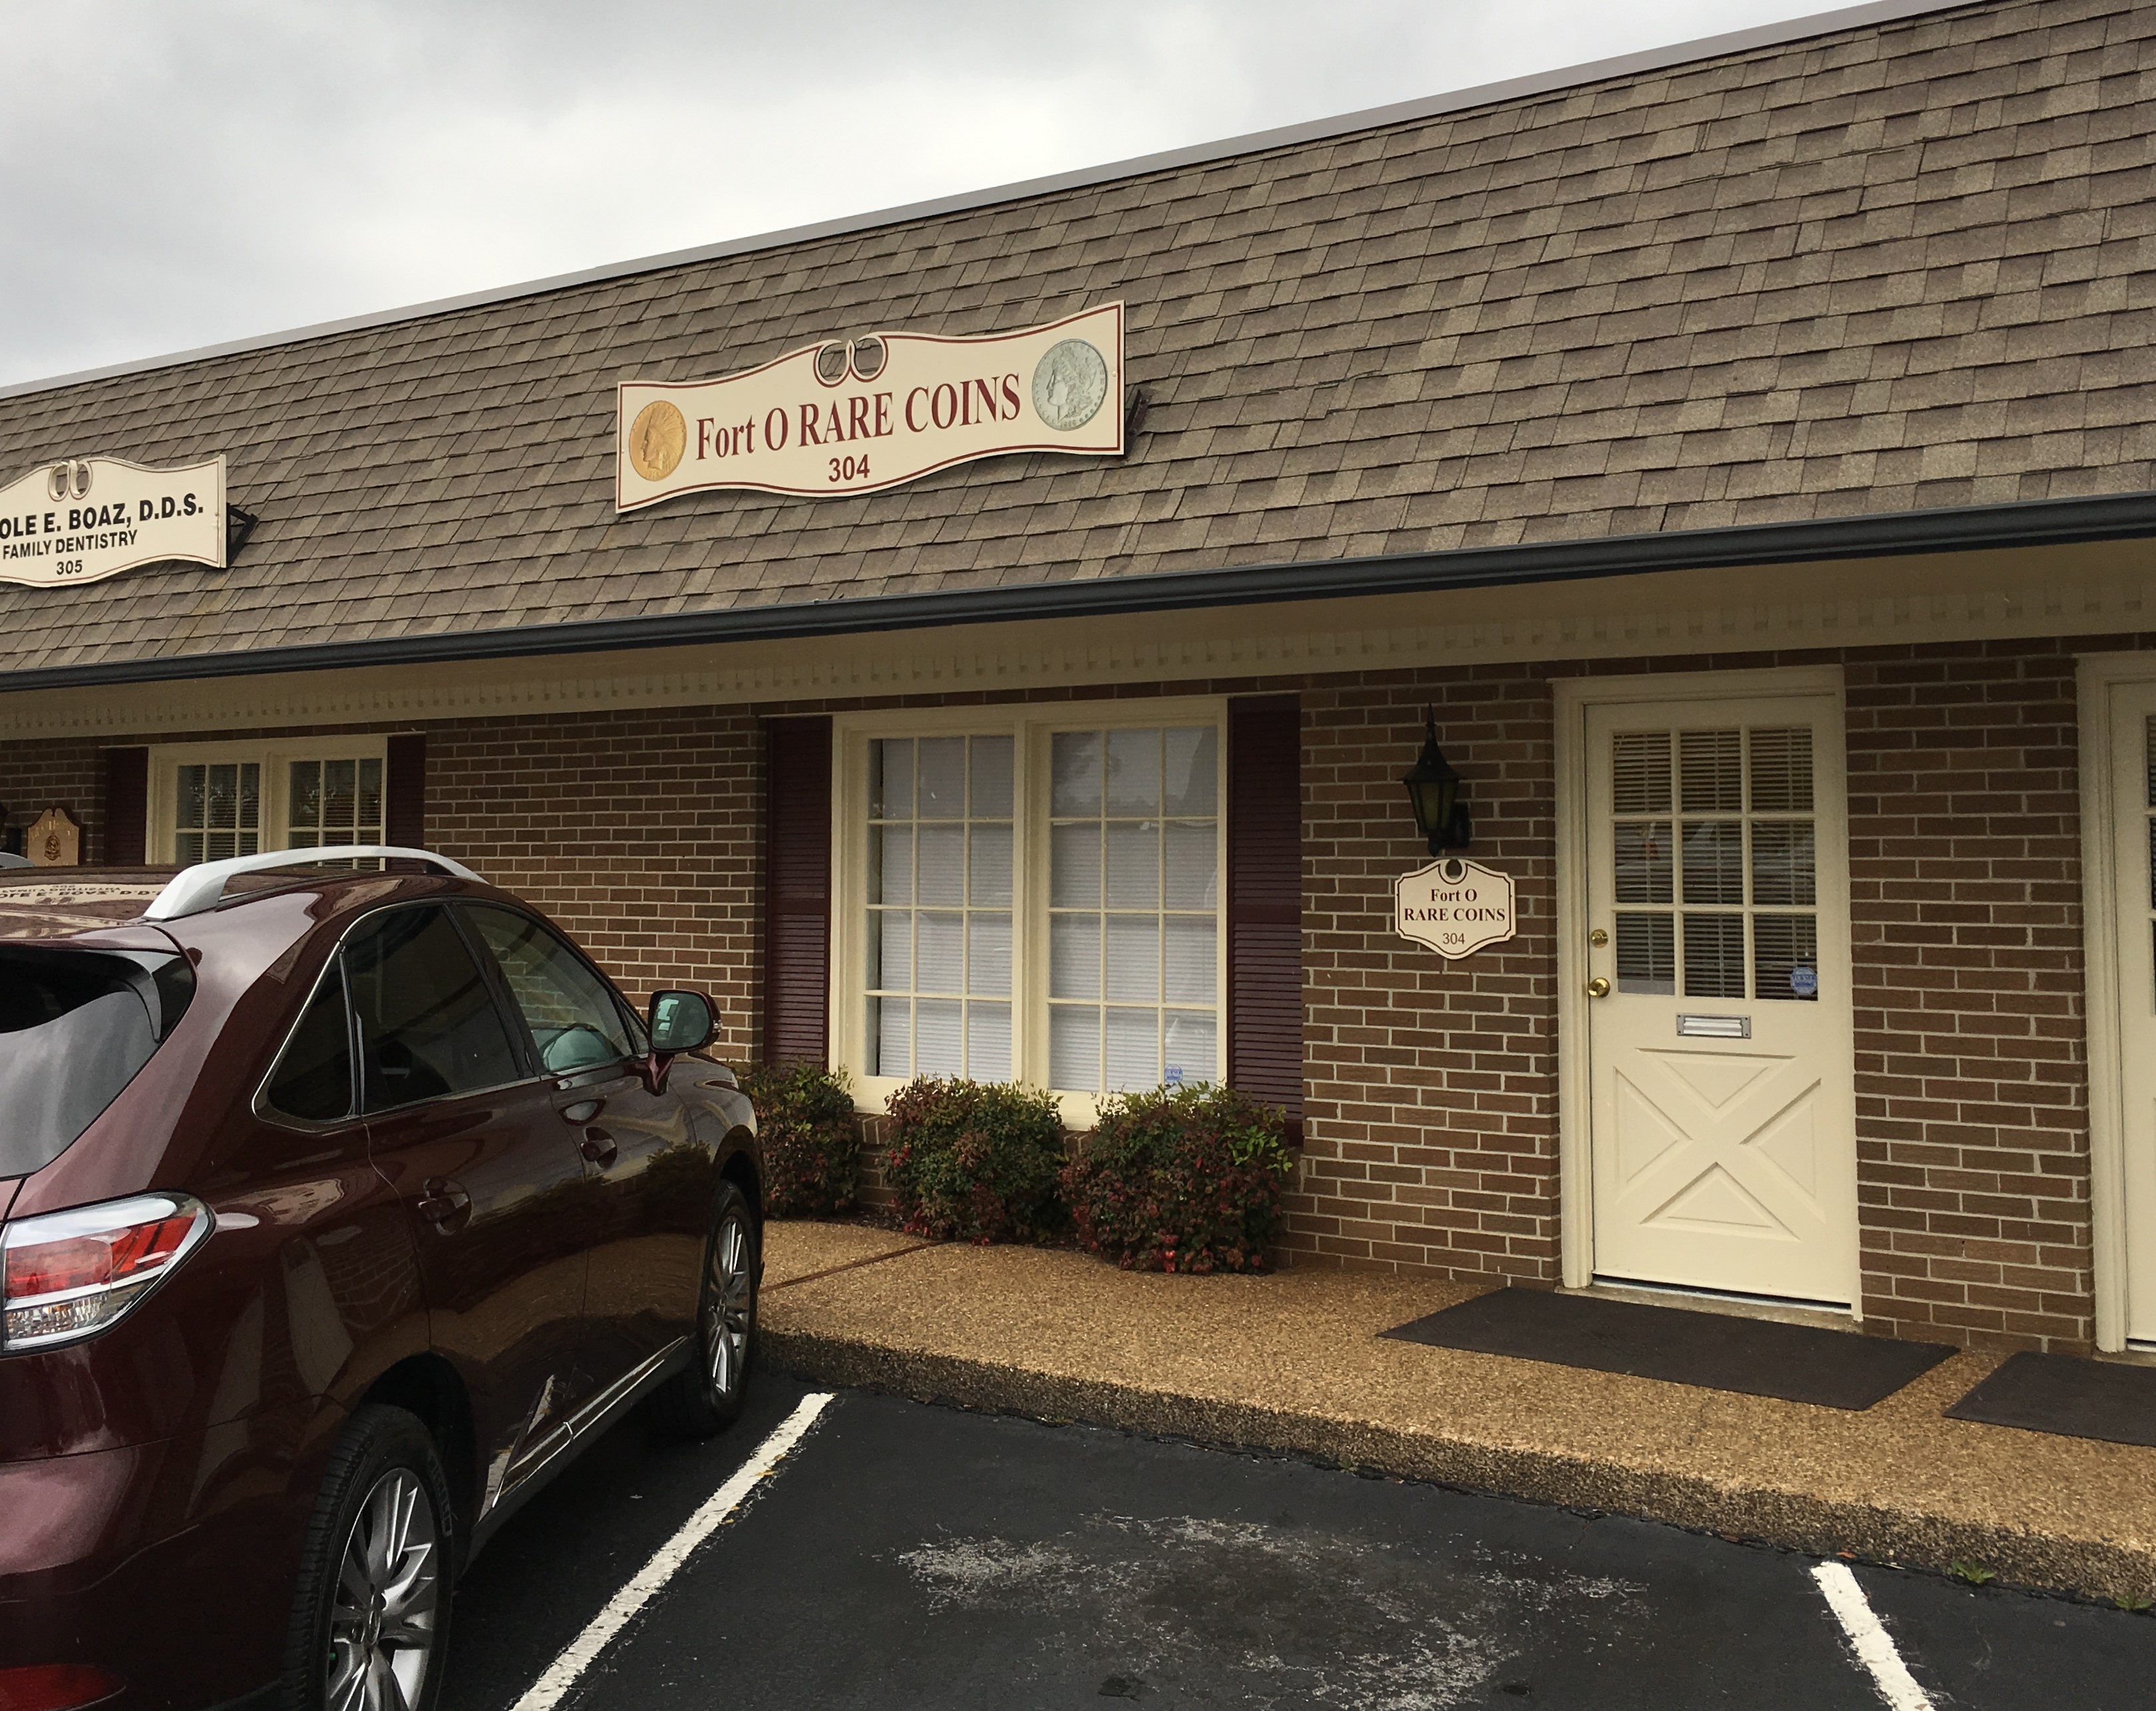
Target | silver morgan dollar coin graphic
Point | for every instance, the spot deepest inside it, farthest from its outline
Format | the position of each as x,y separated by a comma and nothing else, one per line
1069,384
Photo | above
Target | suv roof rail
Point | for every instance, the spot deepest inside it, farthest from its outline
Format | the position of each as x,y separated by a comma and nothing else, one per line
202,886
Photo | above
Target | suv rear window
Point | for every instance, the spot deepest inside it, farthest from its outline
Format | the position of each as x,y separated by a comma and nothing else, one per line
76,1027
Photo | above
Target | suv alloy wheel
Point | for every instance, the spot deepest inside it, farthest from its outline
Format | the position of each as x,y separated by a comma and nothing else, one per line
705,1398
370,1624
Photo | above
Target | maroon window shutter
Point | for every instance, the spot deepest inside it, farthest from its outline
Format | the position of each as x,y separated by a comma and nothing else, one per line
127,807
796,891
1264,901
404,804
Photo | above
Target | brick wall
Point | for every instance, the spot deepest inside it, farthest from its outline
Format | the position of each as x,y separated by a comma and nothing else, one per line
1430,1095
641,832
1971,1072
68,774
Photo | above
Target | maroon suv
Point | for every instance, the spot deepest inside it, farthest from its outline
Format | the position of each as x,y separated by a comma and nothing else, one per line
341,1209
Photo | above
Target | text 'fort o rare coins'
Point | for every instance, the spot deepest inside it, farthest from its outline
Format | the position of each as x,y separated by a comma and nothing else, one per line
1454,906
851,415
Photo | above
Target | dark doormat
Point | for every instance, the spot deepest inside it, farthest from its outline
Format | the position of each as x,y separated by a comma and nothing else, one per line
1718,1351
2068,1396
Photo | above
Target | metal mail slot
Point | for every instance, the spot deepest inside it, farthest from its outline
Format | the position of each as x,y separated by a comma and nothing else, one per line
1715,1027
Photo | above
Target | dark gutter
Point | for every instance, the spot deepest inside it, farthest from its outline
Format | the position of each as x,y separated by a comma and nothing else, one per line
2049,522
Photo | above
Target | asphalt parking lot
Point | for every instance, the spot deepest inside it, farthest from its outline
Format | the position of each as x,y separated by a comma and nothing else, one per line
904,1555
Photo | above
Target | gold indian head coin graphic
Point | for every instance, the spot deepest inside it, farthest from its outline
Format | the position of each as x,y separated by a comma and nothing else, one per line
656,440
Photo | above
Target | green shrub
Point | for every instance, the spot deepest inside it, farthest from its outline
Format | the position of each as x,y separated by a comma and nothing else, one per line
1181,1179
812,1140
975,1161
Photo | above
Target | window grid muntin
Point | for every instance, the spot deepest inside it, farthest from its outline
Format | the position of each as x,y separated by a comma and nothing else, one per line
217,811
333,800
1689,807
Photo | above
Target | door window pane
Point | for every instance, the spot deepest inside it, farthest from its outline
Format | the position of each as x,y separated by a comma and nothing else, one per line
575,1022
1785,956
1714,861
1644,867
1781,771
1714,956
1639,772
1647,955
939,906
1712,768
1133,928
1781,862
428,1024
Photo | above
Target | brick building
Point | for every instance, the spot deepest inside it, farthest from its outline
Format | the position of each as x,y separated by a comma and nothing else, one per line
1742,451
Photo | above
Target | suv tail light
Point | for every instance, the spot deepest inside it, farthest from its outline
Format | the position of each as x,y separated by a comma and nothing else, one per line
55,1687
68,1275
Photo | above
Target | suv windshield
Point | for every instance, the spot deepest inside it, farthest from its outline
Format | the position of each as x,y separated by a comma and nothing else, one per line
76,1027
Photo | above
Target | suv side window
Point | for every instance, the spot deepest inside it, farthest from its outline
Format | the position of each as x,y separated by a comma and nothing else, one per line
574,1017
428,1022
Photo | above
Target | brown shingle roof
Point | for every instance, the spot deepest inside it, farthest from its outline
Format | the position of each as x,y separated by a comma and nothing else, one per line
1901,266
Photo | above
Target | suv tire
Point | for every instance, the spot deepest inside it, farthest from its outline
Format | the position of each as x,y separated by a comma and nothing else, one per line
384,1510
705,1398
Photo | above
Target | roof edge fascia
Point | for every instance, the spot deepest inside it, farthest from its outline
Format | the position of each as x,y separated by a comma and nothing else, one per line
1767,35
2030,523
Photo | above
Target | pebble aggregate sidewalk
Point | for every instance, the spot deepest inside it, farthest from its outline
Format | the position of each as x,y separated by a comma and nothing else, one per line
1293,1362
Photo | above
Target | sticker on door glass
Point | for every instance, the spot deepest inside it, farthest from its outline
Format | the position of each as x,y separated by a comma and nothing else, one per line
1804,981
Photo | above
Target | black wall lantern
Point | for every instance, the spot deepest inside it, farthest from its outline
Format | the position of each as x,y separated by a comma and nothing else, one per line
1440,814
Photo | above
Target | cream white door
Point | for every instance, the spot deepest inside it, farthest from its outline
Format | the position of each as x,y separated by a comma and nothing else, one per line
1723,1109
2133,816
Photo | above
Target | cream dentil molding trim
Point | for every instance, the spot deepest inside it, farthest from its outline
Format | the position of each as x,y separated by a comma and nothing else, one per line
2104,588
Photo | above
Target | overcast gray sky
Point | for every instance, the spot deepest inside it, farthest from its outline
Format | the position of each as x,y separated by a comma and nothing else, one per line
175,172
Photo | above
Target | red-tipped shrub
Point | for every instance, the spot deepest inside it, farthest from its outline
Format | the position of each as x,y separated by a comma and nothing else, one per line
1181,1179
974,1161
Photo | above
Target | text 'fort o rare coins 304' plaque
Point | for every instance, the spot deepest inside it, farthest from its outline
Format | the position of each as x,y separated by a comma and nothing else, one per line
851,415
1454,906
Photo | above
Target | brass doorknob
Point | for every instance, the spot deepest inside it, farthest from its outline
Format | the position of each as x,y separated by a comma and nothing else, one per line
1598,988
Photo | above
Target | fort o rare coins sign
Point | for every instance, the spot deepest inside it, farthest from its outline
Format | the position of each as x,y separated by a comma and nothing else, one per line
854,415
82,519
1454,906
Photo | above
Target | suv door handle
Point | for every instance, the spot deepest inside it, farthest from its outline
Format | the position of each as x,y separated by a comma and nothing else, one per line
583,1111
599,1146
442,1203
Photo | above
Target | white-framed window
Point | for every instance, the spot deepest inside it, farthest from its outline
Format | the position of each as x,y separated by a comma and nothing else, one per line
209,801
1032,893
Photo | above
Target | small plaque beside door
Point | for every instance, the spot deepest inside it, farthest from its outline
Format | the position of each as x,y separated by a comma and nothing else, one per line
1715,1027
55,841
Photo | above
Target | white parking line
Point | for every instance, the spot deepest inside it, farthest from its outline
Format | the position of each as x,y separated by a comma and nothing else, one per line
549,1690
1868,1637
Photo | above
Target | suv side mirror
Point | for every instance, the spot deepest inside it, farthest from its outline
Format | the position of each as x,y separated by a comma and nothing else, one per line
679,1021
